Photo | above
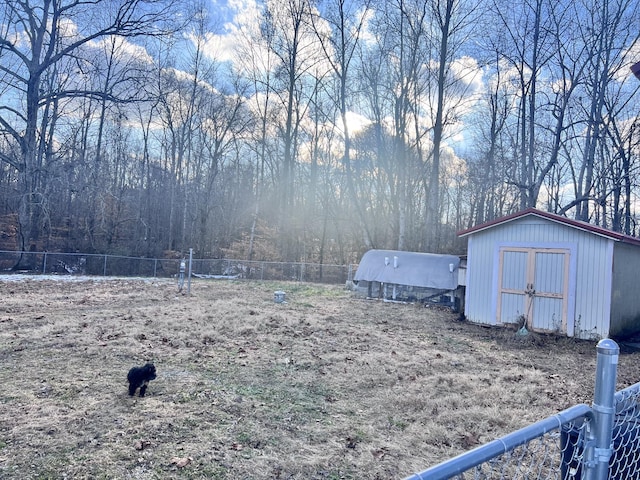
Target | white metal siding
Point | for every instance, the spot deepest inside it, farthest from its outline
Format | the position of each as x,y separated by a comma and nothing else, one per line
593,287
515,277
590,286
550,311
479,293
551,279
549,272
512,283
512,308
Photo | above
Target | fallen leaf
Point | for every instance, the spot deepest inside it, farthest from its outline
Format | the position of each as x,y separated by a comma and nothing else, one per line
379,454
181,462
141,444
469,440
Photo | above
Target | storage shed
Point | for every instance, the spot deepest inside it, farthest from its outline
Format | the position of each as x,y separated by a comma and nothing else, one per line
553,274
394,275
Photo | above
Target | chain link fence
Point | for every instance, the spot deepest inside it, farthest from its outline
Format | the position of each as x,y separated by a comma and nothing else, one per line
597,442
125,266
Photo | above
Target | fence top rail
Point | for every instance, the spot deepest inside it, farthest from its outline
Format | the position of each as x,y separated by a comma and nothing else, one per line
626,399
270,262
486,452
230,260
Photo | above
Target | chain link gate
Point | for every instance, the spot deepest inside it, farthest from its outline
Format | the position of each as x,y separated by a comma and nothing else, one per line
597,442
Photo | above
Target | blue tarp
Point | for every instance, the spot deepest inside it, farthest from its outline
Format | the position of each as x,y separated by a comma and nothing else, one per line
428,270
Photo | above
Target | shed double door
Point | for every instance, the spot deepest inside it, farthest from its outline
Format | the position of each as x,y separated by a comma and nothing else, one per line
533,285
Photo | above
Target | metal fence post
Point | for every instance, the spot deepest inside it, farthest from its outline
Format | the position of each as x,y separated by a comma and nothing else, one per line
190,270
599,448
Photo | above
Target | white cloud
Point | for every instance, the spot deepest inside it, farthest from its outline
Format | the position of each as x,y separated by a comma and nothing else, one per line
366,35
469,72
243,23
123,49
356,122
630,57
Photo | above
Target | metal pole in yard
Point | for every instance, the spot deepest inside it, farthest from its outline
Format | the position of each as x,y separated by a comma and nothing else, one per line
599,449
190,267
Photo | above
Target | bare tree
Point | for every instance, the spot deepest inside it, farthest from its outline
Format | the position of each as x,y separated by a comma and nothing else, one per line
527,48
255,61
608,32
487,154
287,32
37,40
339,27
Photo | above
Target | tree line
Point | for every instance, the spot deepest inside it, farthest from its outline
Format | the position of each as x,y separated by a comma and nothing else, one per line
321,129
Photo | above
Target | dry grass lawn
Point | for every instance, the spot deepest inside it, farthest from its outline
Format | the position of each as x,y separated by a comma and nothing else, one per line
325,386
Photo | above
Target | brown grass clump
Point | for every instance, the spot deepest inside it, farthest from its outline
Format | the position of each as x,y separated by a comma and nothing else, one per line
324,386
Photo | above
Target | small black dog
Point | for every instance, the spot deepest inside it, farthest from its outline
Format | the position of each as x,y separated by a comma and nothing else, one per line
140,377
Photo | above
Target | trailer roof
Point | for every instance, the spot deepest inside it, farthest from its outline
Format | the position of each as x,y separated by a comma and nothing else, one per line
427,270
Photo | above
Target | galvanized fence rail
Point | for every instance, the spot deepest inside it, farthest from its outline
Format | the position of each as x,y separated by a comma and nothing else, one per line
119,265
597,442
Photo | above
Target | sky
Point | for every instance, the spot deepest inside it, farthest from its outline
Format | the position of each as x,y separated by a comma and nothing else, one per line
227,18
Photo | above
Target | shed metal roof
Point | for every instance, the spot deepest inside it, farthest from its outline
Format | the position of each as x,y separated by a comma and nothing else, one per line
428,270
584,226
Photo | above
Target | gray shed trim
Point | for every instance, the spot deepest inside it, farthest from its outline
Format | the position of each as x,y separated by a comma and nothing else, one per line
426,270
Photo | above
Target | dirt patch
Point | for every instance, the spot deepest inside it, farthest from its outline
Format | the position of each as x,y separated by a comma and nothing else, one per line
324,386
